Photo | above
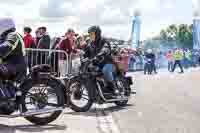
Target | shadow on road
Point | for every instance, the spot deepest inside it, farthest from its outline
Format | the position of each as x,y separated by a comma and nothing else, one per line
30,128
93,112
117,108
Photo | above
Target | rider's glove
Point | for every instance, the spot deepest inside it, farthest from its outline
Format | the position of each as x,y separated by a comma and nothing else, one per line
95,61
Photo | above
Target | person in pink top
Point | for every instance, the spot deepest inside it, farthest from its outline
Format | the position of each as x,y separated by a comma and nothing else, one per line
169,57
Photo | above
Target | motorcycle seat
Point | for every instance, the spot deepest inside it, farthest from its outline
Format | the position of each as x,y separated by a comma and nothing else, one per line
41,68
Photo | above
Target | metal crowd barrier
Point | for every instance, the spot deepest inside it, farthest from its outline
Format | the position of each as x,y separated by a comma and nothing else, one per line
75,63
59,60
63,64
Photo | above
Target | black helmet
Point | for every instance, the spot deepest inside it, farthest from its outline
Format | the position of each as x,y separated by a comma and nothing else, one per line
95,29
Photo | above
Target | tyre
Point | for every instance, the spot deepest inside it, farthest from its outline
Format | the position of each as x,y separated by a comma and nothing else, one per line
78,94
39,99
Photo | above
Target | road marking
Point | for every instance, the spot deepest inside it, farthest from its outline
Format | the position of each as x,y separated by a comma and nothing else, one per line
105,120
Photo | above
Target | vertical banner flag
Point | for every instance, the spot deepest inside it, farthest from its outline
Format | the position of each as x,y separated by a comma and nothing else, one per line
135,34
196,33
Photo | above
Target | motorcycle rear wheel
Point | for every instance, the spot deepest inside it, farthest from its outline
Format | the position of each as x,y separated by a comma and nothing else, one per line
55,88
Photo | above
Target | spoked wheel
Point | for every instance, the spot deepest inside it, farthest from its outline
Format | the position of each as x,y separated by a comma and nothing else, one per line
47,94
79,98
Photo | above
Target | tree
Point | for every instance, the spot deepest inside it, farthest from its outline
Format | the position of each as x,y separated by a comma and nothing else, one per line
172,32
163,35
182,34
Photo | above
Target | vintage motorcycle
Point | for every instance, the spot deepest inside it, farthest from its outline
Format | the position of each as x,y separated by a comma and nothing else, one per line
89,86
38,96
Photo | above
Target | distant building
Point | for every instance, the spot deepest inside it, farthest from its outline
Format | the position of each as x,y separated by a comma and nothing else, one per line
196,33
135,33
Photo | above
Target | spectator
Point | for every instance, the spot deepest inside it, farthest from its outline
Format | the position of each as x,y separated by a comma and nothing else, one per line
44,43
37,37
68,45
29,43
80,42
131,61
28,39
169,57
54,56
178,57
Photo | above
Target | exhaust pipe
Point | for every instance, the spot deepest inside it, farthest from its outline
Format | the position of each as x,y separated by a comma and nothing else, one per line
41,111
31,113
110,100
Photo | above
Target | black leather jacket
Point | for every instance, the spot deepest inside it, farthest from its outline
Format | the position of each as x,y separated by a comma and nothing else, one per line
99,49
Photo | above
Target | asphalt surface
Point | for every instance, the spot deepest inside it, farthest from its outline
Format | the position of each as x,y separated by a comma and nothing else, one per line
164,103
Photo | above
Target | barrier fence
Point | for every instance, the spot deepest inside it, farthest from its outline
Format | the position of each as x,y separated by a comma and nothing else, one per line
62,63
59,60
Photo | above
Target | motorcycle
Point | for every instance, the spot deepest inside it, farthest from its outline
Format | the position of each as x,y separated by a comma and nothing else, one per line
90,86
37,96
148,67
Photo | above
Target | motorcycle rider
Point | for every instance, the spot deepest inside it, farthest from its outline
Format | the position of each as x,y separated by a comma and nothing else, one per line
12,54
150,58
100,51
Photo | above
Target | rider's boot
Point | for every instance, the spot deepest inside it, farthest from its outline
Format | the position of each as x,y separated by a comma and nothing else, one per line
113,86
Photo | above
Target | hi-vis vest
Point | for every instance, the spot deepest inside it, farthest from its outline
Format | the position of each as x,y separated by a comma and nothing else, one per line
19,39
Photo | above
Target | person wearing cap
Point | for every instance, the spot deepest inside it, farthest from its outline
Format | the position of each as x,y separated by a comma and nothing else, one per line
12,52
67,44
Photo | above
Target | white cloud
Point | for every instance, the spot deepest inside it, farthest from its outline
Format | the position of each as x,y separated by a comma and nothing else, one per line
114,16
16,2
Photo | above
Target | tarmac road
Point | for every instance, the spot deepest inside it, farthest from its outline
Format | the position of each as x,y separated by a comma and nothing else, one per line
164,103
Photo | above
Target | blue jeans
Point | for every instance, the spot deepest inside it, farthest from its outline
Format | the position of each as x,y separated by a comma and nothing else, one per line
108,72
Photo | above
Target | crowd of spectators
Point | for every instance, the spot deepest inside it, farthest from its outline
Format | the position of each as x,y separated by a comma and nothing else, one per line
70,42
184,58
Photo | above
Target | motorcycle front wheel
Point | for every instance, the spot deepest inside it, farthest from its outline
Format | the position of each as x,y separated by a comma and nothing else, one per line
46,94
80,101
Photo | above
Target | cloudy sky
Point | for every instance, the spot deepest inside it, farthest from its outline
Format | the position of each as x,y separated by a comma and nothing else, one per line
196,7
114,16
